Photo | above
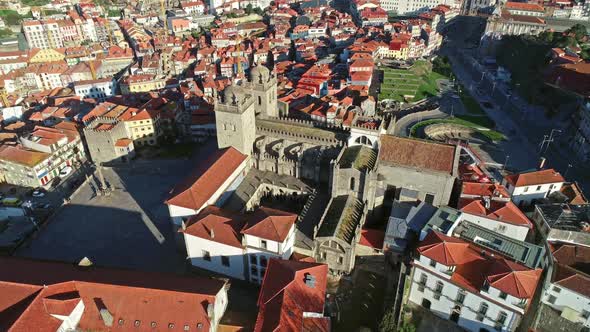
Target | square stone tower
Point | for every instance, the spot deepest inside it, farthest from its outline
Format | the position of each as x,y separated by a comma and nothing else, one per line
263,88
235,120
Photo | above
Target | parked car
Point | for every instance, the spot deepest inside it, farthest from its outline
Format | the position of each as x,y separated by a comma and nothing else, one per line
65,171
11,201
38,192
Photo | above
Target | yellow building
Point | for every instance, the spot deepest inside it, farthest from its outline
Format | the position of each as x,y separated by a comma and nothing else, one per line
46,55
141,83
143,126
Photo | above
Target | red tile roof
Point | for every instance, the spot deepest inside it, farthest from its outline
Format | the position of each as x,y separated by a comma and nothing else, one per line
194,192
535,178
372,238
533,7
475,265
420,154
218,225
484,189
285,296
503,211
514,279
270,224
129,296
572,268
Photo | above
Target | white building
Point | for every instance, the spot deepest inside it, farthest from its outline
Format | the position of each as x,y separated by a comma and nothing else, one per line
100,89
469,285
500,216
526,187
212,182
568,290
236,244
43,34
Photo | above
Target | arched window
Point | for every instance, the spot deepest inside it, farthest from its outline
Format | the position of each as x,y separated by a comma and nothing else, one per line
352,184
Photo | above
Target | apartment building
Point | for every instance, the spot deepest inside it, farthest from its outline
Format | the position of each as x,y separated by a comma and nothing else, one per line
100,89
471,285
42,155
43,34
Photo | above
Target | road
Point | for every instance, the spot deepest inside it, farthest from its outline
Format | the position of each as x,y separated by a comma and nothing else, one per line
525,125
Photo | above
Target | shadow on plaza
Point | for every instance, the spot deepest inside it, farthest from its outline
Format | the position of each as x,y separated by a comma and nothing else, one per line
108,236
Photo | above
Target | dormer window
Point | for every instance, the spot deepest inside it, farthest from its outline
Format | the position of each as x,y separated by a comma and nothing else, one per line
263,244
432,263
485,286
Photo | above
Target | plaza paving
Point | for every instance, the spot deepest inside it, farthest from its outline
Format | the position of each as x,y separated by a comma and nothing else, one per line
130,228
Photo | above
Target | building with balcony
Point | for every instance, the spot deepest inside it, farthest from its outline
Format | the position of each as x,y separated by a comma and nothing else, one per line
473,286
42,155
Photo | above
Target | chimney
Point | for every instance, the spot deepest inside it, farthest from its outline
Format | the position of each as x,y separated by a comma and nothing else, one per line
212,233
486,202
542,162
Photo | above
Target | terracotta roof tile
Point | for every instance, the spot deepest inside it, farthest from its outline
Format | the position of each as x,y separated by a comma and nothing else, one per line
285,296
194,192
474,265
503,211
218,225
420,154
270,224
535,178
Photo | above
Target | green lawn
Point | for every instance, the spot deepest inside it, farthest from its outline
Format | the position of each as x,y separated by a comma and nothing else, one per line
418,81
480,123
11,17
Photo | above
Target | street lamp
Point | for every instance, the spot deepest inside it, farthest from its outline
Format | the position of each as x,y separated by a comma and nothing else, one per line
506,161
551,137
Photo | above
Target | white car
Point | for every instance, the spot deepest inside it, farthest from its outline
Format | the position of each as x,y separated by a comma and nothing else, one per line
65,171
38,193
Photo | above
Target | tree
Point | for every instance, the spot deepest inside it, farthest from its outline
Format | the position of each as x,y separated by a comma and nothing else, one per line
407,327
442,66
249,9
578,30
387,323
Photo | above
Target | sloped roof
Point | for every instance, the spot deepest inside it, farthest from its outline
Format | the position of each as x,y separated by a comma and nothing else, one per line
535,178
218,225
503,211
129,296
270,224
446,250
419,154
474,265
195,190
514,279
483,189
572,268
285,296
